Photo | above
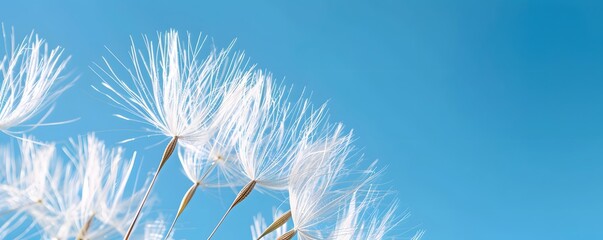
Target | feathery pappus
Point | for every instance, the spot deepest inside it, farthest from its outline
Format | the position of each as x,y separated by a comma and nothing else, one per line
32,76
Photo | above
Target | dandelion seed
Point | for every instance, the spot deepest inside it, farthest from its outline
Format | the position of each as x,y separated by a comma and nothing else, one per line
23,183
56,213
183,94
331,201
217,155
197,167
273,129
31,81
320,185
170,87
105,173
24,179
88,198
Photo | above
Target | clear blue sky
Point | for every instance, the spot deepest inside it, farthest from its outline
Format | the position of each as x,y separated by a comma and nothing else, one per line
488,114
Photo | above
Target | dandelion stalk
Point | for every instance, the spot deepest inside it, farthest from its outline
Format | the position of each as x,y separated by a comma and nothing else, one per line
186,199
166,155
240,197
186,94
276,224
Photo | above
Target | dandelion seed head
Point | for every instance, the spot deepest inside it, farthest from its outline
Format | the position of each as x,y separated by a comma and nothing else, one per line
171,87
88,196
24,178
321,184
105,173
272,130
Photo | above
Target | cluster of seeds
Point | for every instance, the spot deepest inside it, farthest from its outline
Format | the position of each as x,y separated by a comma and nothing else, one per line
229,123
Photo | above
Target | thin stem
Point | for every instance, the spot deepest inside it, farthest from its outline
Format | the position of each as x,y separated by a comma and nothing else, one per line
185,200
169,149
167,235
219,223
213,165
240,197
187,197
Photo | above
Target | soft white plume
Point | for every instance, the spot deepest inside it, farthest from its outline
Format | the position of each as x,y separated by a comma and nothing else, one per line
171,87
213,163
88,197
370,215
31,73
105,173
24,177
272,133
24,183
216,170
321,184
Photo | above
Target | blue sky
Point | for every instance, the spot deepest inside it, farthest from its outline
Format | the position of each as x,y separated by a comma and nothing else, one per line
487,113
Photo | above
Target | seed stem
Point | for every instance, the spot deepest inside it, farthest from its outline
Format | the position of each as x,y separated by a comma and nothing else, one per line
240,197
169,149
188,196
185,200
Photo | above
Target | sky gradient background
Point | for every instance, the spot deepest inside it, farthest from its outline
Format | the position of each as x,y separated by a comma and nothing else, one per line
488,114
